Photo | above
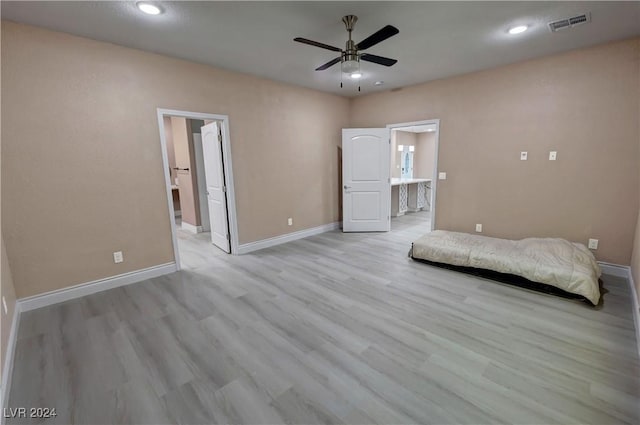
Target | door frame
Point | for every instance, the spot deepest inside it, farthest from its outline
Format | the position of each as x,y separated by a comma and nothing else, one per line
434,178
227,167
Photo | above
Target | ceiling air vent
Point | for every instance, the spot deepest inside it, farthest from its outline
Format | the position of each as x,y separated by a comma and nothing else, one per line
565,23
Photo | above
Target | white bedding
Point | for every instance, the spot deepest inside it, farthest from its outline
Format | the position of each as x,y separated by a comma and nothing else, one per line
557,262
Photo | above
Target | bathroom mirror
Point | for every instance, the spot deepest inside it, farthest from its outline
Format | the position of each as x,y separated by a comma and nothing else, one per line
406,162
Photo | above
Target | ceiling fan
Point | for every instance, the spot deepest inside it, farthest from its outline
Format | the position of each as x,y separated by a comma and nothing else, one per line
350,57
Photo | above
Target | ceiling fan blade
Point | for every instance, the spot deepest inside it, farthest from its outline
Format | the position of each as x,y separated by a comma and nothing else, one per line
317,44
329,64
377,37
380,60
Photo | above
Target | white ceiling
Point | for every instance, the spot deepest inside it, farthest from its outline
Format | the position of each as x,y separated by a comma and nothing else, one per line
436,39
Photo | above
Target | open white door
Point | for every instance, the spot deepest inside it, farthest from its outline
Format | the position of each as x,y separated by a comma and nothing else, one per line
366,183
214,176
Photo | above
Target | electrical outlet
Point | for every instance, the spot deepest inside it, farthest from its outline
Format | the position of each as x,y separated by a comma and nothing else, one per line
523,156
118,257
4,305
593,244
442,176
553,155
479,228
290,221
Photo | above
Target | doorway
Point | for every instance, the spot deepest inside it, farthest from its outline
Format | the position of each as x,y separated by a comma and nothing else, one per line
414,173
199,182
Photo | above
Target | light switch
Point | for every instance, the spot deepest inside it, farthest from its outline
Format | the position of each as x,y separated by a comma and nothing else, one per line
553,155
523,156
442,176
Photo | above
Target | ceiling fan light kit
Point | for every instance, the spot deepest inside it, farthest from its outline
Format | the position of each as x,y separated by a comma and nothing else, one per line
350,66
350,57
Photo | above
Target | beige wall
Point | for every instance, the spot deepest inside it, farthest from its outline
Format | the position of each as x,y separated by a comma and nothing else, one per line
185,159
96,141
583,104
8,292
285,139
425,155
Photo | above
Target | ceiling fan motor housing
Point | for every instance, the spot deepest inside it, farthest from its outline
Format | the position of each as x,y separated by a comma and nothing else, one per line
350,54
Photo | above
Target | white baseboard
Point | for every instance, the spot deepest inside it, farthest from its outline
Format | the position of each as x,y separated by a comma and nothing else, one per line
614,269
289,237
636,308
7,371
191,228
77,291
625,271
54,297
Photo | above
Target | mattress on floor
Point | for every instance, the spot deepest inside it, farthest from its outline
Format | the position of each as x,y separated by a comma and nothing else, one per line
568,266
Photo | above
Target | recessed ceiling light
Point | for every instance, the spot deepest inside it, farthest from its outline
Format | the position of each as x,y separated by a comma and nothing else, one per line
518,30
148,8
378,83
355,75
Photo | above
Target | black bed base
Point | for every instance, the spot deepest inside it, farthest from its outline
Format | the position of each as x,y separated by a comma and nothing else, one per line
510,279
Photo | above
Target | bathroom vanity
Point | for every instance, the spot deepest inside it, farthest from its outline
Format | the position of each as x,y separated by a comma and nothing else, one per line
409,194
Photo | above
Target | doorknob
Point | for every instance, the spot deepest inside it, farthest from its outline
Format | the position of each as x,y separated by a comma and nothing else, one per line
346,187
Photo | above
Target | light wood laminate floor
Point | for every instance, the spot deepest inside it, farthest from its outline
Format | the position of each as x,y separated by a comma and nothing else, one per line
195,249
336,328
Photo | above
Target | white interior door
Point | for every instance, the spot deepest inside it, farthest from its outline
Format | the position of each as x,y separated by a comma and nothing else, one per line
366,183
214,176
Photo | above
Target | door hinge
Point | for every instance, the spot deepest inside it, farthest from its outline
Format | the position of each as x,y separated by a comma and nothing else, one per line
220,137
228,237
224,189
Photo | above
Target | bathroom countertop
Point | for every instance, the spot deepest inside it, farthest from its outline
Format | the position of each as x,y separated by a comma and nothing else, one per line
396,181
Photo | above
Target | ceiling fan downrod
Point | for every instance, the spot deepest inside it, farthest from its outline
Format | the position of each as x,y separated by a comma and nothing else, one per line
350,52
